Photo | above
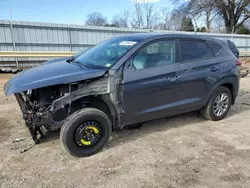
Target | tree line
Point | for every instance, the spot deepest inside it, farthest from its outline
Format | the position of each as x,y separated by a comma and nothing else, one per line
227,16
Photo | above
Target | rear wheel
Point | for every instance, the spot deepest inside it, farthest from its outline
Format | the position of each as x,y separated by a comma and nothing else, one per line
85,132
218,105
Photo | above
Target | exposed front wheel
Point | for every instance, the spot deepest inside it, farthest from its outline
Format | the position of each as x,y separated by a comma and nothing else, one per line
85,132
218,105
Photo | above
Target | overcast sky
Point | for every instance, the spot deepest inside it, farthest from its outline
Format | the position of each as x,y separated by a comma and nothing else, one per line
66,11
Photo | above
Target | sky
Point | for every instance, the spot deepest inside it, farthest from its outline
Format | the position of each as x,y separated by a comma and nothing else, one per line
66,11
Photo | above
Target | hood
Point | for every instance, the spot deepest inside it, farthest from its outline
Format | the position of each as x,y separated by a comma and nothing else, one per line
57,60
49,74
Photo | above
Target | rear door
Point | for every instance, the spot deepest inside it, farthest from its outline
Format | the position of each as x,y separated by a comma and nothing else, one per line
151,86
200,69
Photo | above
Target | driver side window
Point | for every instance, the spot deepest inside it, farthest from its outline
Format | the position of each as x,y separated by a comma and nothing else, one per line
159,53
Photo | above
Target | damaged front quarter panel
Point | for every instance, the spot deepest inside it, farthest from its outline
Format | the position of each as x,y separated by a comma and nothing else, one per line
98,87
109,87
38,113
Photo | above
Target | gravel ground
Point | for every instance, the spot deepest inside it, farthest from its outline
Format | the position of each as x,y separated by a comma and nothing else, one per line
179,151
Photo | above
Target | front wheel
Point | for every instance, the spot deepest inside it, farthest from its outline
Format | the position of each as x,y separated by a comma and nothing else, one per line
85,132
218,105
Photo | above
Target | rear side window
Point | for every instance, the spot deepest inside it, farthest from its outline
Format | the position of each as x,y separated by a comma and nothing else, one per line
192,50
215,48
233,48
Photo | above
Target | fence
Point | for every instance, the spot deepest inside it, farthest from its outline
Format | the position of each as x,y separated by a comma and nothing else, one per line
48,37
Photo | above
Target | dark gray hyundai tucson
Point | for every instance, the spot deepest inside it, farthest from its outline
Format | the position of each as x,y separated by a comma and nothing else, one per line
126,81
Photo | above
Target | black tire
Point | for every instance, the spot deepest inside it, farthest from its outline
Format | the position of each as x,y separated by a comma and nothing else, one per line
208,111
72,123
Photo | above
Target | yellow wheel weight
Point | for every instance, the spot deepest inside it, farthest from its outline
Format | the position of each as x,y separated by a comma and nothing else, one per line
87,143
94,129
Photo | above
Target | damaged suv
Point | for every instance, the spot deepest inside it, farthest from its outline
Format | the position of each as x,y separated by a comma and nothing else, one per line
125,81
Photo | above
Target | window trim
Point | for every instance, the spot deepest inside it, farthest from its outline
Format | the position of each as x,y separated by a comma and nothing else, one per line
129,60
215,44
190,61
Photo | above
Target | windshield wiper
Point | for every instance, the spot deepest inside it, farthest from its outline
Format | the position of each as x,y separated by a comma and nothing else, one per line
81,64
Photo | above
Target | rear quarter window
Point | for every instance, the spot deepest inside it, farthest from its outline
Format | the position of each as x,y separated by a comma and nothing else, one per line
233,48
214,47
192,50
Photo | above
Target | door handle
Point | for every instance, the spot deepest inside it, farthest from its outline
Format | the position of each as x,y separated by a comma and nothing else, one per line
214,69
173,78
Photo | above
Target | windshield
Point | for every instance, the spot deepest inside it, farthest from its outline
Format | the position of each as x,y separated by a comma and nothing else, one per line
105,54
80,52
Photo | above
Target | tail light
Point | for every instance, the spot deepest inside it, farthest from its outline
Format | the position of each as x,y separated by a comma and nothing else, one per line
238,62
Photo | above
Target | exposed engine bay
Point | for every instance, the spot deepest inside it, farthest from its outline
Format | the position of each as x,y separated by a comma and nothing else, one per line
36,108
45,109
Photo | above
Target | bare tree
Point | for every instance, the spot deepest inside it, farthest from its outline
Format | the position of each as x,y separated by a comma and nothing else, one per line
137,19
175,20
204,9
150,15
96,19
210,15
233,12
218,26
191,10
145,15
164,18
121,20
169,20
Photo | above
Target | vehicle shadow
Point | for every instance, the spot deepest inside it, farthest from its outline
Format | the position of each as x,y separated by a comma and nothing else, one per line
158,125
177,121
128,134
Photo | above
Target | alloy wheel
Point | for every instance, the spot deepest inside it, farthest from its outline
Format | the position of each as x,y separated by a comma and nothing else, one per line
221,104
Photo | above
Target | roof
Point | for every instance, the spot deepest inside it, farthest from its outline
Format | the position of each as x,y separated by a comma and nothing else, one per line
145,36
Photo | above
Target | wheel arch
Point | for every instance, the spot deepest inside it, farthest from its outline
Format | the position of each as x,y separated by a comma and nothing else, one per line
100,102
231,83
104,104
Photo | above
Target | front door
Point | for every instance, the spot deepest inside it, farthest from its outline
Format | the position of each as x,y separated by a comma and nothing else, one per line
151,83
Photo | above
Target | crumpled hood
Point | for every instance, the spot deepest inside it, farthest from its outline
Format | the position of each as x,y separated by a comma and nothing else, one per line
49,74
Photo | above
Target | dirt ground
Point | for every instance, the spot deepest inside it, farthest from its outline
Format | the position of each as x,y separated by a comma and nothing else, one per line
179,151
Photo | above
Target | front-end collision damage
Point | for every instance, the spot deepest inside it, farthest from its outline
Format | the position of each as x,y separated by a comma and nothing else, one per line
29,116
110,89
39,114
99,87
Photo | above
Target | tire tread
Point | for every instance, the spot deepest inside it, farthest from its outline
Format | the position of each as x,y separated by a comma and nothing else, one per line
65,128
206,111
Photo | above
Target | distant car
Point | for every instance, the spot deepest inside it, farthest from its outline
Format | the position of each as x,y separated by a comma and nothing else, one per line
126,81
